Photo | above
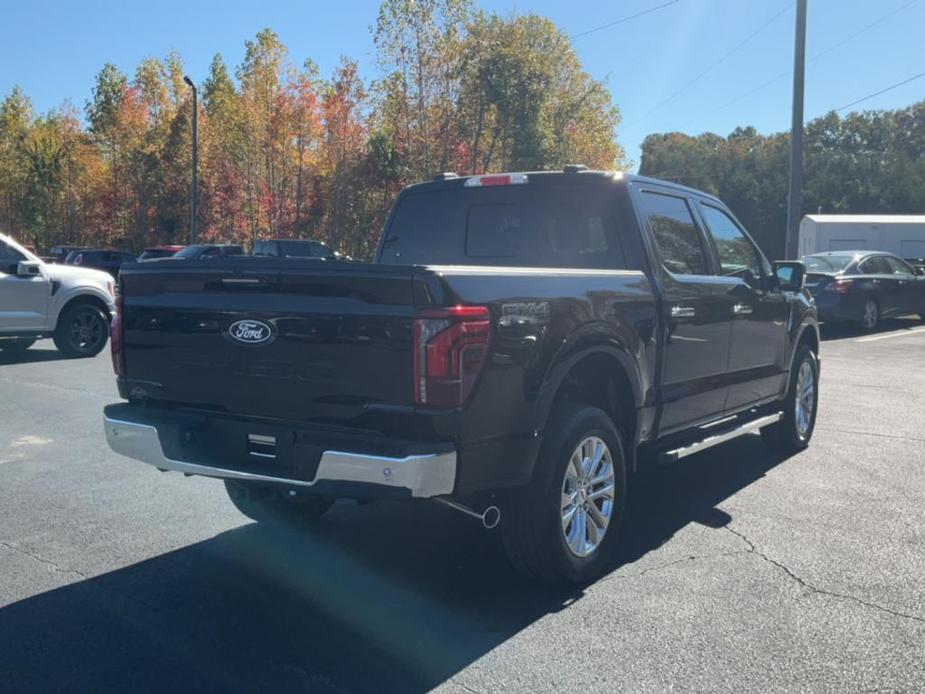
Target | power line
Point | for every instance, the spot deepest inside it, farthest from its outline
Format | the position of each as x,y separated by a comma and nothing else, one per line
624,19
717,63
812,59
882,91
864,29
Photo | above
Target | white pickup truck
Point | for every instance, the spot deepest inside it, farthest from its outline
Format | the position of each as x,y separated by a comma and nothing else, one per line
71,304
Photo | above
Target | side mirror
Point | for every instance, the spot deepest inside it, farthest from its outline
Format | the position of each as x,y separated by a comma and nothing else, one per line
790,275
29,268
919,269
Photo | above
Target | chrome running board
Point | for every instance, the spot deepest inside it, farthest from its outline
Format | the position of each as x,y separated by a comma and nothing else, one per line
723,436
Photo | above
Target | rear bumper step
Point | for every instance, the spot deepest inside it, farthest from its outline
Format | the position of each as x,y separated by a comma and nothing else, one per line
720,437
424,475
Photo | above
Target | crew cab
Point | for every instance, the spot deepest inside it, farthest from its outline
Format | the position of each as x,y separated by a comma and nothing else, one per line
520,345
38,299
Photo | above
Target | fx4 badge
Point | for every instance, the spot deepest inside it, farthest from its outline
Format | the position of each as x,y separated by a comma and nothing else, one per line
250,332
525,314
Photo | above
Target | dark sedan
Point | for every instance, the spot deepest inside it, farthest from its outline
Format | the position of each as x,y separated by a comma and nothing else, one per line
864,286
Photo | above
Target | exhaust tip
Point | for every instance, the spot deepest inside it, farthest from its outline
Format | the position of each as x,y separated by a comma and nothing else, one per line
491,517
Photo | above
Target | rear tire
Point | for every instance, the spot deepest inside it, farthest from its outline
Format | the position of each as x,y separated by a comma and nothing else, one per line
538,533
792,433
269,505
16,347
870,315
82,331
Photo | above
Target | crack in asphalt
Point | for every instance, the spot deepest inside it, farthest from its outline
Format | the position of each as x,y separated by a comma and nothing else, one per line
674,562
870,433
753,549
463,686
42,560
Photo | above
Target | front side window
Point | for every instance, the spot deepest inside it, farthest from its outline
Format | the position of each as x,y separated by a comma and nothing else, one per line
9,257
899,267
676,236
738,257
876,266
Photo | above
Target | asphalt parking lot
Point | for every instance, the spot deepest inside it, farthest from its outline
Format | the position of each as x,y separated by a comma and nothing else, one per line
742,572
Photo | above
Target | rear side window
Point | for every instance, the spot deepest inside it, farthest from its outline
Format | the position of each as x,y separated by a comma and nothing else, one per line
300,249
566,226
679,243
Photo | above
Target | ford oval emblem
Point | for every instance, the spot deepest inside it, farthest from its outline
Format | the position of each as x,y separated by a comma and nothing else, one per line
250,332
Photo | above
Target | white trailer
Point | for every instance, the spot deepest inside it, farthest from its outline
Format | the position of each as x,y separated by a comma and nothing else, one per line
903,235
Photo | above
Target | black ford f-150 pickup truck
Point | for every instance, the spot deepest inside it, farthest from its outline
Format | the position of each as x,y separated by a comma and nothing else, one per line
521,344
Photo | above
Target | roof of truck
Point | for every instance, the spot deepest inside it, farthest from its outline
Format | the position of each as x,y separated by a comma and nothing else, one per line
452,180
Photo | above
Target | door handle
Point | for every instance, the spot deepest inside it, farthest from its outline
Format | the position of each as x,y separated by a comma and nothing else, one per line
683,312
742,310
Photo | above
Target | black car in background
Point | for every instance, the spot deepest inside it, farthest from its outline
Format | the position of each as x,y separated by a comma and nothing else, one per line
109,261
864,286
58,254
293,248
209,250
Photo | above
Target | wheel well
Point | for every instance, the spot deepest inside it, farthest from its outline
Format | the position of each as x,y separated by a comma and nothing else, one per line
600,380
81,300
810,339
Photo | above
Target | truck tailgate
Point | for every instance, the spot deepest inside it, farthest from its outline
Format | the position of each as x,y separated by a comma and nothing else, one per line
281,339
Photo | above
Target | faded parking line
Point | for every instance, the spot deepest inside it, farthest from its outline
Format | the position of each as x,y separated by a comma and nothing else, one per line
901,333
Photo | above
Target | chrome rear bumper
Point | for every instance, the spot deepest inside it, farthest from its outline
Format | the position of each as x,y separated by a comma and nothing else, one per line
425,475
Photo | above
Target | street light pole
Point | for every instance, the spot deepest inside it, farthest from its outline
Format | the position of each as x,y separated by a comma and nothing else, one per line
795,194
194,188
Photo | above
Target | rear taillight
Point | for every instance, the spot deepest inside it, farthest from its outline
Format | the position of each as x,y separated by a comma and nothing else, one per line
117,338
450,347
839,286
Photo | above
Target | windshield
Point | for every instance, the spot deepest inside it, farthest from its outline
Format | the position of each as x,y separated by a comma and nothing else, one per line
827,263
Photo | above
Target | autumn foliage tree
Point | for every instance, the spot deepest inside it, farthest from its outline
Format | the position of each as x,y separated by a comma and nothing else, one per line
863,163
285,152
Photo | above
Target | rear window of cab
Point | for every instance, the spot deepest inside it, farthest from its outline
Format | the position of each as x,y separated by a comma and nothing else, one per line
514,225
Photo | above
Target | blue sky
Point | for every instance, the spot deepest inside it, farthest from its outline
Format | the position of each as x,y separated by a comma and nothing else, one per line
54,49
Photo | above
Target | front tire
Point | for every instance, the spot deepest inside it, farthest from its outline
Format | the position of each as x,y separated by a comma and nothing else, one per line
266,504
82,331
792,433
564,526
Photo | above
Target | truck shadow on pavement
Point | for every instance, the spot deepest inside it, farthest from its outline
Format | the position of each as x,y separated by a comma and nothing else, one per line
34,355
385,597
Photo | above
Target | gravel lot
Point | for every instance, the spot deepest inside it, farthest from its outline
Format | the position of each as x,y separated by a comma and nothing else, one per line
742,572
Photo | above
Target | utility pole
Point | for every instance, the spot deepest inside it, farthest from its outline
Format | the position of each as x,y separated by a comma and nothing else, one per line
194,188
795,194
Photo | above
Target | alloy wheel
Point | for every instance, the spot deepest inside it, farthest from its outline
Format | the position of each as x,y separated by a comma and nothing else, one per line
805,400
587,496
870,315
87,331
